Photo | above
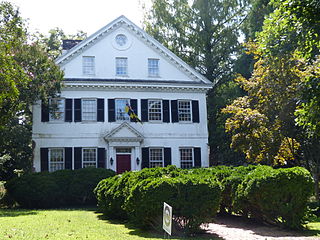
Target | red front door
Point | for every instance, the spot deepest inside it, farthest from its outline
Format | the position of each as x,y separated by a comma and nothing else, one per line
123,163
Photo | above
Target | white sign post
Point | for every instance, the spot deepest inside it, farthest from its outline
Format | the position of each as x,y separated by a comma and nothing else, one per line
167,218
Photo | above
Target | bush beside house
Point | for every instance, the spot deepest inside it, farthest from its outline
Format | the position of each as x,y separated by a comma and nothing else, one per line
58,189
278,196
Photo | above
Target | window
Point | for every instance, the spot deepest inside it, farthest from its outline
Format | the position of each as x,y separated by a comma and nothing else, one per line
88,65
156,157
57,113
186,157
155,110
56,159
121,114
89,157
89,110
153,67
121,66
184,111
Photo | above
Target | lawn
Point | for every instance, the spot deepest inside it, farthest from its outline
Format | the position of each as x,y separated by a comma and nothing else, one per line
68,224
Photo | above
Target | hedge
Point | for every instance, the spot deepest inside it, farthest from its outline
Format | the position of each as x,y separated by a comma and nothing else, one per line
277,196
58,189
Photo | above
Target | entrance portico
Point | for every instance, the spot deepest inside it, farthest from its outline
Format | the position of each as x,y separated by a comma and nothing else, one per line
124,148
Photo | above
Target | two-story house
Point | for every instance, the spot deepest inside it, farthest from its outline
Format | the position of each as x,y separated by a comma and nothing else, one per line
121,67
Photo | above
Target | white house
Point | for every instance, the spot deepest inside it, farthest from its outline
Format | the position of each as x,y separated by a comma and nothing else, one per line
121,65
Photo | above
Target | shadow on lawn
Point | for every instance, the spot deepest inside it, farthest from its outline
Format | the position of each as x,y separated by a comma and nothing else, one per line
16,212
152,234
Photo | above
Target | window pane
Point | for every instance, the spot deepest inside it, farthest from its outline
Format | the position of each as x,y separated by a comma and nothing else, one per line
89,109
184,109
121,114
186,157
121,66
156,157
89,157
153,67
155,110
56,159
57,113
88,65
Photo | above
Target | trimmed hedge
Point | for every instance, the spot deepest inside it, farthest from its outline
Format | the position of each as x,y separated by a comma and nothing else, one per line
58,189
277,196
139,196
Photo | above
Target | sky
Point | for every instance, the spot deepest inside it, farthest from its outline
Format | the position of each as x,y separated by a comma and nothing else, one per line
73,15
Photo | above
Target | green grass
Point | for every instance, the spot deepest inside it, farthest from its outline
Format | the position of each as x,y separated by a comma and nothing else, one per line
68,224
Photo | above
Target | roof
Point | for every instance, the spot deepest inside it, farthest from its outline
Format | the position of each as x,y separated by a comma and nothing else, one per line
142,35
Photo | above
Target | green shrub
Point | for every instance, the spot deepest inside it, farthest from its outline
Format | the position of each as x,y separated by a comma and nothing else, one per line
60,188
194,201
275,195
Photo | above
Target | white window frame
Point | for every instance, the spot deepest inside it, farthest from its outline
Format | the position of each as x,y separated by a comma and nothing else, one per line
94,112
58,110
153,69
150,113
55,162
126,116
88,67
119,64
186,161
151,160
96,157
180,111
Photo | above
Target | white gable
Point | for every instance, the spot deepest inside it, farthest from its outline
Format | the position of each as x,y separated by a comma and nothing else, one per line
138,49
124,132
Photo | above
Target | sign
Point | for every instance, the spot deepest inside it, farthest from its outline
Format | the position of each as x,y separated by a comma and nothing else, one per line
167,218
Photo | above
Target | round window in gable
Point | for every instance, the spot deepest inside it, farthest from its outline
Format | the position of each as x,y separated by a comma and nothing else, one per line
121,40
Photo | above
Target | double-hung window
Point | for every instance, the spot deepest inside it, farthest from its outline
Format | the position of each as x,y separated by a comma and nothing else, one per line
57,113
89,157
56,159
153,67
155,110
88,65
155,157
121,66
120,105
184,111
89,109
186,157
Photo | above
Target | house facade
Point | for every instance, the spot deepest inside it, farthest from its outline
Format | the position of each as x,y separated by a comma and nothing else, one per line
118,71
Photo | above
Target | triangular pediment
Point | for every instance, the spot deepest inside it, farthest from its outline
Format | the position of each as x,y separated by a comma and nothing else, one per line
124,132
173,69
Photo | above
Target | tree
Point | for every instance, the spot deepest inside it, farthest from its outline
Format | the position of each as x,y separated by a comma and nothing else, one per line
287,55
27,74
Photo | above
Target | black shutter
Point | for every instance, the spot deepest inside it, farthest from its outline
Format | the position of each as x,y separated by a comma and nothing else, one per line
134,106
77,157
167,157
68,110
44,160
145,158
197,156
144,110
111,110
101,158
174,111
77,110
100,110
165,109
195,111
44,112
68,158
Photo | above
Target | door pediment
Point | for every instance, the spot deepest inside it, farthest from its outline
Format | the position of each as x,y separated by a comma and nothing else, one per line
124,133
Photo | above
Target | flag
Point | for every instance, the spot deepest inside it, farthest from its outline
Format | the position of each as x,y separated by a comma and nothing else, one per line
131,113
